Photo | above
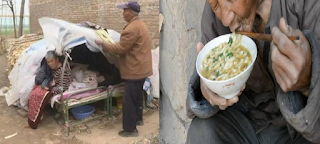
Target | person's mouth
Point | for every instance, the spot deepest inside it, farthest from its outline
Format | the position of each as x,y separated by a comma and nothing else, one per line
239,28
236,28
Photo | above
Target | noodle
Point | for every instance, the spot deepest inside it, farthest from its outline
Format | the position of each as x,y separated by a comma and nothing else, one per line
227,60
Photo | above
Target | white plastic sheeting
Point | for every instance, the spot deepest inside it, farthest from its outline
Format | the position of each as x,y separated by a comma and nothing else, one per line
22,75
64,35
154,79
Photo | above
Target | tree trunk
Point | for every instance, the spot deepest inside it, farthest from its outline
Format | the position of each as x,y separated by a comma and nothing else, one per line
14,24
21,18
10,4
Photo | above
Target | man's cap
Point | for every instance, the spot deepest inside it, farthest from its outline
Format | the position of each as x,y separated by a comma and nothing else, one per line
132,5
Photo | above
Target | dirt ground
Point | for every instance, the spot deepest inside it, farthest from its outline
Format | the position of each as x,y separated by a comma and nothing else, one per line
50,132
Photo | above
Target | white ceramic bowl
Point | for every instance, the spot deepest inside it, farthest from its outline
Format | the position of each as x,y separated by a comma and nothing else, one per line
231,87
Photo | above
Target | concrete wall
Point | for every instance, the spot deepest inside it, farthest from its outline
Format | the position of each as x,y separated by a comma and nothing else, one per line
101,12
178,39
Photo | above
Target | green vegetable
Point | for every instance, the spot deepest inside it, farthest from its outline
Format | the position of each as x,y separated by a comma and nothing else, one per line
229,55
237,29
208,57
214,49
230,41
214,60
207,68
217,74
221,54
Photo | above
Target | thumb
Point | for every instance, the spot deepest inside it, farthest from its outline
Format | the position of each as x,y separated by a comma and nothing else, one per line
199,47
99,42
285,28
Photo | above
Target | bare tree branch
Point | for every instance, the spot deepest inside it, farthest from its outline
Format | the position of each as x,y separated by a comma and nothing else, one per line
8,3
3,5
11,6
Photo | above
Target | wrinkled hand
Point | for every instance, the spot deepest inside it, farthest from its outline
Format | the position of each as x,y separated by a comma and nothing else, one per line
102,43
212,97
52,83
291,60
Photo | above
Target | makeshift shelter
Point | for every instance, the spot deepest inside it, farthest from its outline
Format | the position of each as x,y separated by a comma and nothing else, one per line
66,39
76,45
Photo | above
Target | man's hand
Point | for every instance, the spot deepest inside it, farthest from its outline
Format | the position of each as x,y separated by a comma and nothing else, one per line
102,43
212,97
291,60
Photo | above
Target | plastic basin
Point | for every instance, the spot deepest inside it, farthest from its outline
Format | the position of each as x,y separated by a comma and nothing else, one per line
82,112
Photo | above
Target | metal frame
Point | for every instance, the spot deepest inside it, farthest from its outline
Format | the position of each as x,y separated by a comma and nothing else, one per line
114,87
111,96
65,106
107,107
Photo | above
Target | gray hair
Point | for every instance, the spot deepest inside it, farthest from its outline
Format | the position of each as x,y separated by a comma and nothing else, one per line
135,13
51,55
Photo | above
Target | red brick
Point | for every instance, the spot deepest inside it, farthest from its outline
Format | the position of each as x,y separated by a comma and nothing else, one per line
101,12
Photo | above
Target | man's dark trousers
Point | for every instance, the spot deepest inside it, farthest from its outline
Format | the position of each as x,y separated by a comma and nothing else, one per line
132,104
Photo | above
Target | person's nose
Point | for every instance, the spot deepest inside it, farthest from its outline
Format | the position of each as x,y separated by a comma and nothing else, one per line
227,17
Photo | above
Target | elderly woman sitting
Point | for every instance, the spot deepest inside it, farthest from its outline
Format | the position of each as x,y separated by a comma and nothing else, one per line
48,83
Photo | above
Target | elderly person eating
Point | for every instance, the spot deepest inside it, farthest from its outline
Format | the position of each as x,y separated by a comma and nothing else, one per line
280,102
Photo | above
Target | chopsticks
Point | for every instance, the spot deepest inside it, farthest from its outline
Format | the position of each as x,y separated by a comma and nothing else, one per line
264,37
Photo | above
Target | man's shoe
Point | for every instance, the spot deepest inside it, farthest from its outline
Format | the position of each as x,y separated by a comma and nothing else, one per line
140,123
129,134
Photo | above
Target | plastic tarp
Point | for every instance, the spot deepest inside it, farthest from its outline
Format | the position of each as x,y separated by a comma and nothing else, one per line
22,76
154,79
59,36
64,35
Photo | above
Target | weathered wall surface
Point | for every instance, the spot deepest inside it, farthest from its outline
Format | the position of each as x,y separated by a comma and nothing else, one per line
178,39
101,12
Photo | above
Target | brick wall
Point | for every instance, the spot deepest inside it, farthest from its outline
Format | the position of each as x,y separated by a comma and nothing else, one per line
101,12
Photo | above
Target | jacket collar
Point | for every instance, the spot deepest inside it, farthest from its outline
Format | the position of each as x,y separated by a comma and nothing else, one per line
133,19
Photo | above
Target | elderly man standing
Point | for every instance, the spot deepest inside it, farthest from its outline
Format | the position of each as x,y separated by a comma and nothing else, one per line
281,101
134,49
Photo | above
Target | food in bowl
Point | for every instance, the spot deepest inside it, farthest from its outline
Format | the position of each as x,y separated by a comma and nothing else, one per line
226,60
231,87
